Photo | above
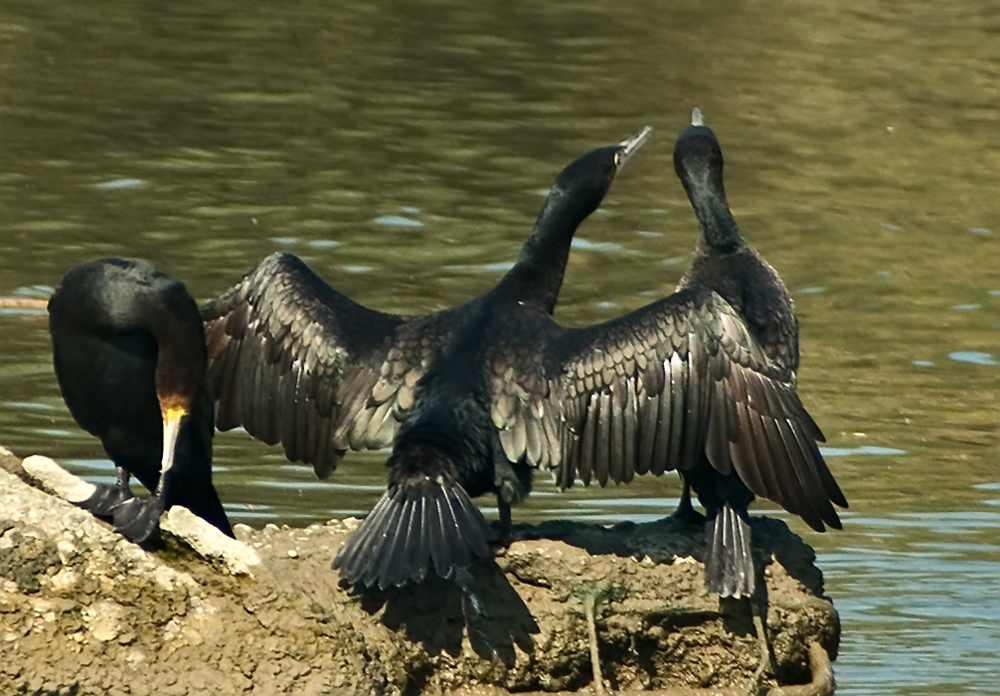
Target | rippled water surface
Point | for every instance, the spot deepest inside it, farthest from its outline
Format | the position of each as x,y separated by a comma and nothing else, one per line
403,151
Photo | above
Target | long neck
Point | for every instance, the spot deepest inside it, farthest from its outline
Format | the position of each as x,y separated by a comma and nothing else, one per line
182,356
719,232
538,273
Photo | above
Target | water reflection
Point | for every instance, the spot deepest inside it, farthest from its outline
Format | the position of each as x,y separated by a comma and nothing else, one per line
974,357
862,152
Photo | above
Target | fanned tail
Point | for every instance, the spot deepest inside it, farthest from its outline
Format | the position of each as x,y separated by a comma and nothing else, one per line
419,525
728,561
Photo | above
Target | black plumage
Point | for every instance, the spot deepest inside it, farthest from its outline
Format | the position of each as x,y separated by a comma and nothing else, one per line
296,362
130,357
702,382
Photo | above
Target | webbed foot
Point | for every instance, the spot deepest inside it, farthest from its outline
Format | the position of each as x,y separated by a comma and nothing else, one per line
138,519
105,499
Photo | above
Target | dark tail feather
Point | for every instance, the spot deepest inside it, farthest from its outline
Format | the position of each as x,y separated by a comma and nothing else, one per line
728,560
414,528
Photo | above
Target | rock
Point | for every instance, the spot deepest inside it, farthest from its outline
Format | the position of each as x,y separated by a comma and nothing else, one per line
46,474
84,611
208,542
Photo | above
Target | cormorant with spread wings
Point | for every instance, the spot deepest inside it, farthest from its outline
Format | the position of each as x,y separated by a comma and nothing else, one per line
702,382
296,362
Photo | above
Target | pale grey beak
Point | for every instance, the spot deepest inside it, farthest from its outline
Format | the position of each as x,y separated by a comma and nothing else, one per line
629,146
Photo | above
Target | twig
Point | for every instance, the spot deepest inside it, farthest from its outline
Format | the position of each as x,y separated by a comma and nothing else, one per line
754,685
595,658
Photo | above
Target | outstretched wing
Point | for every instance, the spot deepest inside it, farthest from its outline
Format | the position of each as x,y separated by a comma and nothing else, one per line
663,387
294,361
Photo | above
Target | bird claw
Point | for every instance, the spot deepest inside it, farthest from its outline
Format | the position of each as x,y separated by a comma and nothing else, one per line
137,519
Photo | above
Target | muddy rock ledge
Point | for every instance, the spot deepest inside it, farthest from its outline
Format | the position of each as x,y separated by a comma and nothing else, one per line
84,611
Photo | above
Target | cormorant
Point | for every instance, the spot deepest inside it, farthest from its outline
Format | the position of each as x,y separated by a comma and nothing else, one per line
130,357
702,381
296,362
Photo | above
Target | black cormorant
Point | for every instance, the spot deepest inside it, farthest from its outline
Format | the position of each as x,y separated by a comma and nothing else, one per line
296,362
703,382
130,357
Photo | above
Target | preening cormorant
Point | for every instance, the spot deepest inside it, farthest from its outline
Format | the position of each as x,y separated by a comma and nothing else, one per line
296,362
129,354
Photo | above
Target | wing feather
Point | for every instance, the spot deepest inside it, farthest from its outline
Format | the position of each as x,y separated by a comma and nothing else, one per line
649,428
627,423
674,384
668,387
293,361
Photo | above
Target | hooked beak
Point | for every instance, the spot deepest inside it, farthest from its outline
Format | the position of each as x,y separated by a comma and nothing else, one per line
631,145
172,418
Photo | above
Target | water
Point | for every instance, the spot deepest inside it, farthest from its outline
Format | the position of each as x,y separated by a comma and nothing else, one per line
403,151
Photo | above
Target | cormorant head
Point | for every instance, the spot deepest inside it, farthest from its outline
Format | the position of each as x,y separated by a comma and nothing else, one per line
698,156
577,192
585,181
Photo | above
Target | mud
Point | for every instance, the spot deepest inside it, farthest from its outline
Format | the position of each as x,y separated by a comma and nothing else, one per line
83,611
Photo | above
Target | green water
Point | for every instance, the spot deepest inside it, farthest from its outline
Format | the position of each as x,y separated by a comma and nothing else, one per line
402,150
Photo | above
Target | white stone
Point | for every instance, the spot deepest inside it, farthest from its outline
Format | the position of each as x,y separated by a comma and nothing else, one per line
66,485
209,542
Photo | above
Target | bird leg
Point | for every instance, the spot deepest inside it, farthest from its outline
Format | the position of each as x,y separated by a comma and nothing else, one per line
685,511
506,523
105,498
512,485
